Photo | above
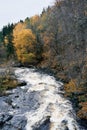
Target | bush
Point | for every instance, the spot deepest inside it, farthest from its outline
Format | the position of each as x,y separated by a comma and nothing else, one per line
6,82
29,58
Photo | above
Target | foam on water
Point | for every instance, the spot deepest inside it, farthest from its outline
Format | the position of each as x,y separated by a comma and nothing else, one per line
49,101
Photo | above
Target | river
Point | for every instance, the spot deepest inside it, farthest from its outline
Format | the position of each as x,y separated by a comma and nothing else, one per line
39,105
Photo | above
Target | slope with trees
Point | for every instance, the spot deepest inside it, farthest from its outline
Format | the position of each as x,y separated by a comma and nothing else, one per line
56,40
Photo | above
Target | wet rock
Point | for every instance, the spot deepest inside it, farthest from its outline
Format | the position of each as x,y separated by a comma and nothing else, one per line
19,122
15,124
44,126
33,107
5,118
64,122
14,105
66,128
8,101
1,120
17,96
64,125
22,83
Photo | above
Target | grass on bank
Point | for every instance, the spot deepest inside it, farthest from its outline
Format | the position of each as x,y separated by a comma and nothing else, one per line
7,83
78,95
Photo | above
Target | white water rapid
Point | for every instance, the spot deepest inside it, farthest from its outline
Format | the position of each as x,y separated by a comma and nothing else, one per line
40,105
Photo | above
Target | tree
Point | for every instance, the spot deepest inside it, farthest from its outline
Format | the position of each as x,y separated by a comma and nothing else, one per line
7,38
1,37
25,43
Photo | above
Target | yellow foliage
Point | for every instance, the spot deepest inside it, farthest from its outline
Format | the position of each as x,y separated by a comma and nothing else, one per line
71,86
24,38
34,20
83,112
40,27
24,43
46,40
18,28
44,17
29,58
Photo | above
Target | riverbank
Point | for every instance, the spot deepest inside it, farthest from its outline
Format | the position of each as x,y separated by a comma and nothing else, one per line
38,105
74,95
77,95
8,80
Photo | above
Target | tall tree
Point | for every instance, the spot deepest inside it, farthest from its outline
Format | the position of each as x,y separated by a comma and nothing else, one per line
25,43
7,33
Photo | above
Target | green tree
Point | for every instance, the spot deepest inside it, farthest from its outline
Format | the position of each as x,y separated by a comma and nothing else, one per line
7,38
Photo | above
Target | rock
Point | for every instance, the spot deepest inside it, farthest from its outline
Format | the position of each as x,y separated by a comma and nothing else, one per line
9,101
34,106
4,118
64,122
14,105
18,122
64,125
1,120
44,126
7,117
22,83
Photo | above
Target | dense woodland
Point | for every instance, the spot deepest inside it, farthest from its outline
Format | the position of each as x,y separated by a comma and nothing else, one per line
56,39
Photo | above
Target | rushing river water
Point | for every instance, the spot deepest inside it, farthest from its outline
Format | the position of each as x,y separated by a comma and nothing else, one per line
40,105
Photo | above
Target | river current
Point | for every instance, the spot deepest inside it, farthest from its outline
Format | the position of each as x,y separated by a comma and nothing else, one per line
39,105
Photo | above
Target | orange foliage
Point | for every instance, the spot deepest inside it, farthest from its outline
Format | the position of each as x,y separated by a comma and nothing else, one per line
71,86
24,42
34,20
46,39
83,112
40,27
18,28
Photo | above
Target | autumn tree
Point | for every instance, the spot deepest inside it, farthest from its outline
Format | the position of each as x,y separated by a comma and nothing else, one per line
34,23
25,44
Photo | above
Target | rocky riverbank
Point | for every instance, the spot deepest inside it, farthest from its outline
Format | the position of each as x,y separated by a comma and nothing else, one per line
8,80
76,96
38,105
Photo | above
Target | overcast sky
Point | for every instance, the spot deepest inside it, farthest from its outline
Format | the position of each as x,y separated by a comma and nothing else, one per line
12,11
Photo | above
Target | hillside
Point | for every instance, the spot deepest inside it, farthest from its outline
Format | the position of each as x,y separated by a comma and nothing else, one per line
55,40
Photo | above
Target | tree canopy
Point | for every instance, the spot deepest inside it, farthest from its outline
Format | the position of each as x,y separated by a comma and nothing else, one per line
25,43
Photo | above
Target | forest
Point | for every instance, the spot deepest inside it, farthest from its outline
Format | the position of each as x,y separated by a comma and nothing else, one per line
55,40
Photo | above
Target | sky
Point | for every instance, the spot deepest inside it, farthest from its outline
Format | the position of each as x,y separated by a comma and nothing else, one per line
12,11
